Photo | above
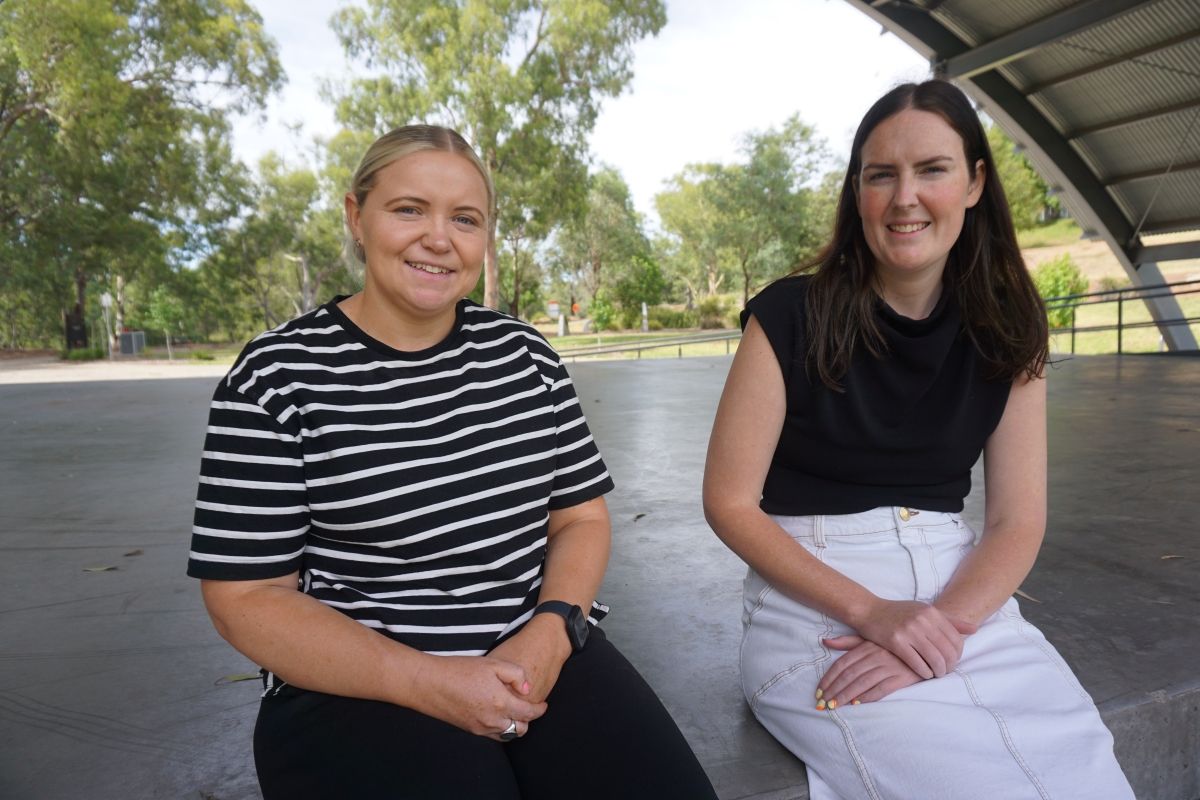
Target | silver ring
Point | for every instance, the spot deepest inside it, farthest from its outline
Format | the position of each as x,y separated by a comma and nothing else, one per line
510,732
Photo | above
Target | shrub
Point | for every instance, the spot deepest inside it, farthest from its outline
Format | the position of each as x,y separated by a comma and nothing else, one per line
201,355
1060,277
667,317
601,312
712,311
84,354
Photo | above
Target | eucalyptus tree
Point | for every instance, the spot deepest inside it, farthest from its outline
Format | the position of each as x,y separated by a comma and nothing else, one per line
114,152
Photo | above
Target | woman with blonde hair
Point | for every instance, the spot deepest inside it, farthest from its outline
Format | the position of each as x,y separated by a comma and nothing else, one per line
401,519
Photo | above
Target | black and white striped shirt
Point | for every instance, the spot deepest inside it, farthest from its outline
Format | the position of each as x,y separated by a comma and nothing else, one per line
411,491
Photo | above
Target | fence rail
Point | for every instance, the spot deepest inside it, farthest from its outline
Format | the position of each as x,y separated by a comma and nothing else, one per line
1073,302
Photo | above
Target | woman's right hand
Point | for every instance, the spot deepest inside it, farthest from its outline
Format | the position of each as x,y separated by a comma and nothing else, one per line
480,694
920,635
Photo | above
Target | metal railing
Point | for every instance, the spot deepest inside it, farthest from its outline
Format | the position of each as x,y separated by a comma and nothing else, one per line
1121,296
1074,302
641,345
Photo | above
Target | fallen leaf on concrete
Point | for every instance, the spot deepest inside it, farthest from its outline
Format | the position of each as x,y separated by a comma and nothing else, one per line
1167,557
636,517
236,677
1028,597
137,552
104,568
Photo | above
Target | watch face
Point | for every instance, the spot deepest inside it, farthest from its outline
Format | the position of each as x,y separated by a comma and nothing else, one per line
577,624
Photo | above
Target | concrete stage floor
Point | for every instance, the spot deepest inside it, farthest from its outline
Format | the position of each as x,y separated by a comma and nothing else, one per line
114,686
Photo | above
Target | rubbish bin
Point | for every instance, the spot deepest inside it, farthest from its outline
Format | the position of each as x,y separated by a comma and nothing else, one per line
133,342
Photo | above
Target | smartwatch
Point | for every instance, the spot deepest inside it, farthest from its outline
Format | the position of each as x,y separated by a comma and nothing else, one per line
577,624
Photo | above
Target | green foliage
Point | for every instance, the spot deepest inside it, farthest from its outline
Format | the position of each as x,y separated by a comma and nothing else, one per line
522,79
1026,191
1060,277
714,311
667,317
1060,231
603,247
753,221
114,121
84,354
601,312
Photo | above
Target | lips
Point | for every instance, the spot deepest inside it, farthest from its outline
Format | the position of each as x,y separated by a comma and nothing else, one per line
907,227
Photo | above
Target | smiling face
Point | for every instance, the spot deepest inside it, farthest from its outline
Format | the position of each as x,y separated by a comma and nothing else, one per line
913,192
424,230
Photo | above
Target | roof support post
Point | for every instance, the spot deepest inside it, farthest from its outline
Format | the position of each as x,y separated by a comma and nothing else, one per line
1164,308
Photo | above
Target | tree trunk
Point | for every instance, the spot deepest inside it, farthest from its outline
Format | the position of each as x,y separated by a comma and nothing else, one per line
118,312
491,277
491,261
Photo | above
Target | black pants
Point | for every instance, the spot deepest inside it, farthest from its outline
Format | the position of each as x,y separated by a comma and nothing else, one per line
605,736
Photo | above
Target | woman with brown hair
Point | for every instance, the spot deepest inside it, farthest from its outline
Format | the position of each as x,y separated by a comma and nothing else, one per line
881,642
401,519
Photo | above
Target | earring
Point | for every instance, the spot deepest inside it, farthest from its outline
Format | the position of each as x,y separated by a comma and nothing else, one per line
359,252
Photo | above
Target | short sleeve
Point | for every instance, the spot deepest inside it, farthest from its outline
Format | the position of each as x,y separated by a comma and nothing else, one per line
251,515
778,309
579,471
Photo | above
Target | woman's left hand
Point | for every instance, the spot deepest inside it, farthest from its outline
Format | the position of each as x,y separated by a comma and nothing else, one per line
867,672
541,648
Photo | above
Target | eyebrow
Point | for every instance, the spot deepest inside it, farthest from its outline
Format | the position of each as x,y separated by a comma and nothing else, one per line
923,163
410,198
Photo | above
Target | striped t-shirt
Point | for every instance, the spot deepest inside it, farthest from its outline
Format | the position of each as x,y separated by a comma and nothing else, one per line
411,491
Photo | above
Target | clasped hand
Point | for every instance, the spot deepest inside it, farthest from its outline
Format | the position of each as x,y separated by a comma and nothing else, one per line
900,643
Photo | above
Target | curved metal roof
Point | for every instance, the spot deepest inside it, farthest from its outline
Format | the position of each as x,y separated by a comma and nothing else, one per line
1105,97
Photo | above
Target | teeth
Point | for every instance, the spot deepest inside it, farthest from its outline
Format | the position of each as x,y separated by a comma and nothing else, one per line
912,228
430,268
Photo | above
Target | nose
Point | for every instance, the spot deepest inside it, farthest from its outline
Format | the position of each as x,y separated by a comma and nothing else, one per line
436,238
906,192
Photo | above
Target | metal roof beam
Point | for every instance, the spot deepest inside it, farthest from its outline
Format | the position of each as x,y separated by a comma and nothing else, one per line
1156,172
1176,251
1048,30
1130,57
1120,122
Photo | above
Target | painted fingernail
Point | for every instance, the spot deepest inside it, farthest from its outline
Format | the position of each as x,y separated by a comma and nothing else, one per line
833,704
820,693
820,705
525,687
857,703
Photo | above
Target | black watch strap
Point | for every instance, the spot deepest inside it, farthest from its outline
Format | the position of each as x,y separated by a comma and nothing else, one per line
577,627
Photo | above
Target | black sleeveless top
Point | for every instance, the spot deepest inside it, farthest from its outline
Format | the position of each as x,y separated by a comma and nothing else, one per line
906,430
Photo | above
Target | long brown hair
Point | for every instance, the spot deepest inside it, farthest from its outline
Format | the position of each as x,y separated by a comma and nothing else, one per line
1001,309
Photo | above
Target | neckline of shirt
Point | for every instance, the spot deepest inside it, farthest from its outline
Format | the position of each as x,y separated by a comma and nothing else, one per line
907,326
371,343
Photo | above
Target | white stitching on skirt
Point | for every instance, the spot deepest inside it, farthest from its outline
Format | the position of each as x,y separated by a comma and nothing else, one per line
859,762
1023,627
1008,742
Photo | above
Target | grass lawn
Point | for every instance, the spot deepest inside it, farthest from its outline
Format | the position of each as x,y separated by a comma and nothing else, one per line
1136,340
1060,231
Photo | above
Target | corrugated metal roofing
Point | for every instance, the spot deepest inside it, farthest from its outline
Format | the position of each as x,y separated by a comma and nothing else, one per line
1114,95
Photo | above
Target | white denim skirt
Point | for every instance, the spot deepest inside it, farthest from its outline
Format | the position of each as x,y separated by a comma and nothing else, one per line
1010,722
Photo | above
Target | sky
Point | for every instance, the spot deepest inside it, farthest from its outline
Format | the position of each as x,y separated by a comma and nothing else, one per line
717,71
